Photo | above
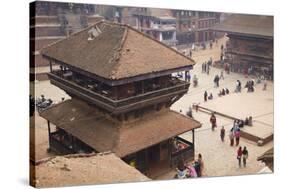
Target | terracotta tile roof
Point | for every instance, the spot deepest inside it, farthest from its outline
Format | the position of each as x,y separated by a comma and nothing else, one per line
164,14
89,169
119,51
255,25
267,155
103,134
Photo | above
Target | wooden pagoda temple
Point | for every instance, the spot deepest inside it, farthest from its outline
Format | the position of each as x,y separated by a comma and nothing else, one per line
250,43
121,85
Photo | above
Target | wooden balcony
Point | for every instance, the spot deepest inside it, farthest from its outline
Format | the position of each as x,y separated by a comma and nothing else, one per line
121,105
186,153
248,53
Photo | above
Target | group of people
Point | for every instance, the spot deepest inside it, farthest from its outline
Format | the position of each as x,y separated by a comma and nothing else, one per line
208,97
249,121
217,79
223,92
250,85
242,154
43,103
190,170
206,67
234,133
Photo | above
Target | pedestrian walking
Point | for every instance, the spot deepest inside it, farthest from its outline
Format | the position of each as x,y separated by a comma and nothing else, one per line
195,81
237,136
226,91
222,134
205,96
187,76
213,121
210,61
239,155
221,76
201,165
250,123
245,156
207,69
210,97
238,86
216,81
264,85
231,137
235,125
203,67
190,53
189,112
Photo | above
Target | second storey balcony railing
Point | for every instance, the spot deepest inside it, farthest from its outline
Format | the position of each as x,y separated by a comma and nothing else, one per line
105,100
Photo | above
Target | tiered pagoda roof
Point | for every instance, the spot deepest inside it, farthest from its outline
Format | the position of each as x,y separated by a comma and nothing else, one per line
114,51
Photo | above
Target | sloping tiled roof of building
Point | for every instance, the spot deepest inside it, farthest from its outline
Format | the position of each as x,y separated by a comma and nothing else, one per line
267,155
161,13
104,134
69,170
117,52
252,25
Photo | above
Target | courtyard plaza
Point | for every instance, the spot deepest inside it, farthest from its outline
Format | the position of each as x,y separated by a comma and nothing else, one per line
219,157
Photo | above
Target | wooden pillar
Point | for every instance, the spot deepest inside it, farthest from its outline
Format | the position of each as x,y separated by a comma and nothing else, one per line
115,92
49,132
51,68
170,152
146,160
72,143
142,86
193,139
